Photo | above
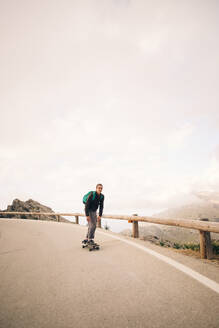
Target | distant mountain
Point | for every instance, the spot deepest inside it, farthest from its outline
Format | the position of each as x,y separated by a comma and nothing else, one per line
30,206
203,209
212,197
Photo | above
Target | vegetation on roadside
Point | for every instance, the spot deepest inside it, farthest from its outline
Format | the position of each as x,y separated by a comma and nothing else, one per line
106,226
192,246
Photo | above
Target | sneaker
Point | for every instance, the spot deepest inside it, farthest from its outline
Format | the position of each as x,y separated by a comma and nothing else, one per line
91,242
85,241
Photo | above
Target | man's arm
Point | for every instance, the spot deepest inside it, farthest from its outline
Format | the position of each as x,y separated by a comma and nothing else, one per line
101,206
87,205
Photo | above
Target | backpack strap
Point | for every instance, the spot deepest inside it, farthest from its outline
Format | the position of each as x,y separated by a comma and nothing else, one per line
94,195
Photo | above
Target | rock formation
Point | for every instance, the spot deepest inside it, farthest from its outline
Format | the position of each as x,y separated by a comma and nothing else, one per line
30,206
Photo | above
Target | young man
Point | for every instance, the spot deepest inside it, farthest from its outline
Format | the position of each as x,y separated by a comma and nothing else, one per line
91,207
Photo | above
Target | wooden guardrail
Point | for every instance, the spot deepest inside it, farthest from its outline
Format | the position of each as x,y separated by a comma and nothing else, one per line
204,226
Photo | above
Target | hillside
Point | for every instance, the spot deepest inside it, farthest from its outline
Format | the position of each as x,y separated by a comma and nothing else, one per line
203,209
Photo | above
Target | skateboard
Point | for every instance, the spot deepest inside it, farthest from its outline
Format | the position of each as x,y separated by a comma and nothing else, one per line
91,247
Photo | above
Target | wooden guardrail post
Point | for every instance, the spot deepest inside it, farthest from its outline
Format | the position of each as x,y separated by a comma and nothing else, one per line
135,232
206,251
58,218
202,244
76,219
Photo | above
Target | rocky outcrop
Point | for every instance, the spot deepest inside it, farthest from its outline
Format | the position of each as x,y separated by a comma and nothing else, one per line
30,206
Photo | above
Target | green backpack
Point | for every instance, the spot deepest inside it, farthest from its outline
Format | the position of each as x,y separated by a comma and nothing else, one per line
85,198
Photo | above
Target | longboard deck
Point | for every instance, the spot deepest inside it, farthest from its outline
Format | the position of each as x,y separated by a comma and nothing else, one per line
91,247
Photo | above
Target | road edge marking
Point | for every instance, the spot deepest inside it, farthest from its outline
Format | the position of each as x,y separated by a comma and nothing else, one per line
181,267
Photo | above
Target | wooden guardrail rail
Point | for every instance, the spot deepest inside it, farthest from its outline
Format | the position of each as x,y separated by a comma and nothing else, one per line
204,226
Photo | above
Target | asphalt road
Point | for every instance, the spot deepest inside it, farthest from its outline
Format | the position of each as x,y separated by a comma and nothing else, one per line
48,280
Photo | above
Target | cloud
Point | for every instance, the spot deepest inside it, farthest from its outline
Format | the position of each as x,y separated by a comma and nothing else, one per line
208,183
212,197
178,137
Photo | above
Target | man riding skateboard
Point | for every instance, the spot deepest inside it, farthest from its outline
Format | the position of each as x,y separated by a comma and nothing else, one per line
95,199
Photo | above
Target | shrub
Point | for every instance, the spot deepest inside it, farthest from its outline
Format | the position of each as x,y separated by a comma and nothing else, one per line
215,246
106,226
176,245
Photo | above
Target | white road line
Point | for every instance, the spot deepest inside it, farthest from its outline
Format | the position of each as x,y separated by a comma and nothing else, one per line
197,276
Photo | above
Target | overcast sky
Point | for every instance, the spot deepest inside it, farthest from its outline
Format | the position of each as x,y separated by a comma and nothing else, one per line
123,93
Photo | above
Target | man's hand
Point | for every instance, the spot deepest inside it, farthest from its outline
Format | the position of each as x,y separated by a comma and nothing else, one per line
98,218
88,218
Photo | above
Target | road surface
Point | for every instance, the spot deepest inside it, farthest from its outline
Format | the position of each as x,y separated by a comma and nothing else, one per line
48,280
